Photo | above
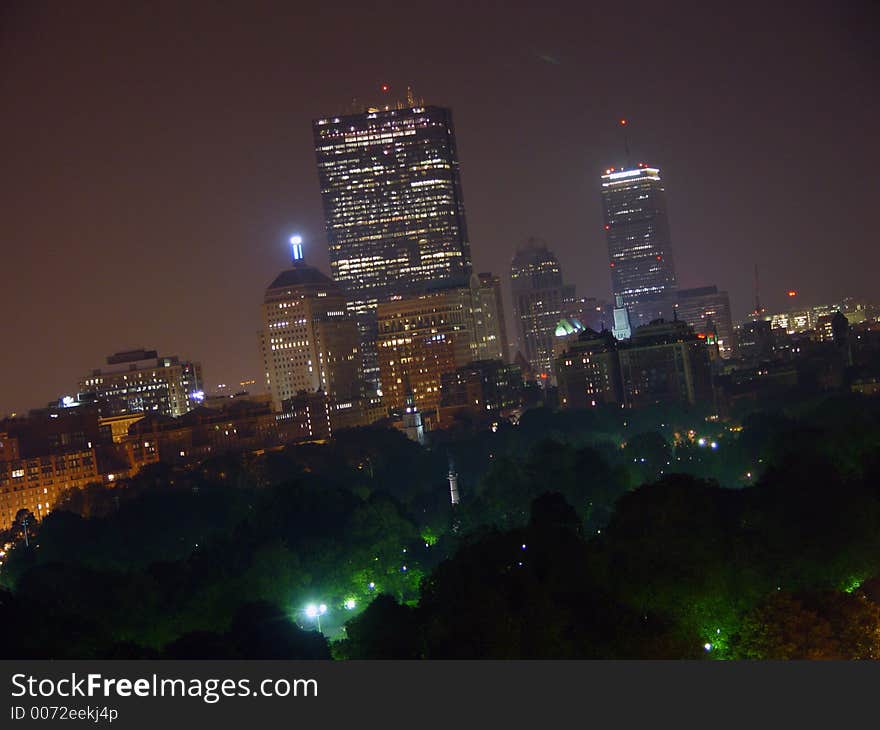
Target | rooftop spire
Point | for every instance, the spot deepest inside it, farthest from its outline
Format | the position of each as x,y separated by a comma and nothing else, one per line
623,126
296,249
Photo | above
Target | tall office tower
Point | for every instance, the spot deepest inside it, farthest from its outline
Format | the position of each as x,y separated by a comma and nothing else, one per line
639,248
420,339
139,381
393,207
538,302
707,310
490,329
309,341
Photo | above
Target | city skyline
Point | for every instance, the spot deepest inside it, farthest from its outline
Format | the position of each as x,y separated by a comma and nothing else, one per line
200,212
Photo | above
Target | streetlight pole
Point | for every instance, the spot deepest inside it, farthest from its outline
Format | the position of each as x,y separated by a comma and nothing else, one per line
315,612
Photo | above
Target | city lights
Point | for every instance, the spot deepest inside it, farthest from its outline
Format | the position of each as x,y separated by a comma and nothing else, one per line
148,510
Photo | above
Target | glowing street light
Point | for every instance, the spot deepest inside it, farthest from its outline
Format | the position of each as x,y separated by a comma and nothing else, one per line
350,604
314,611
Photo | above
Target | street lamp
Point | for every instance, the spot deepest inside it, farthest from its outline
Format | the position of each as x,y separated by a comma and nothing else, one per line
314,611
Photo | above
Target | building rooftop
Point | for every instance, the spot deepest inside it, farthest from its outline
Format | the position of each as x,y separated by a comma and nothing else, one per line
300,275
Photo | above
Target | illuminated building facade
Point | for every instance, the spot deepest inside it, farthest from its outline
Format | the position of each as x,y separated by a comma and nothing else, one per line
139,381
36,483
588,372
639,246
309,340
539,298
622,328
707,310
48,452
489,325
240,425
421,338
393,207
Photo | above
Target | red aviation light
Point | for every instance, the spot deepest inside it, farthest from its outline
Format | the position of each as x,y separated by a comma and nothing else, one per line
385,87
792,293
623,122
607,227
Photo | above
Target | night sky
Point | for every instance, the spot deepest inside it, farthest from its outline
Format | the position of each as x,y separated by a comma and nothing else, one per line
156,156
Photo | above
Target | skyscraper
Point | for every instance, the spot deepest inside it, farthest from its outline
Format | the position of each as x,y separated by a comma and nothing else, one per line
309,341
707,310
393,207
639,247
490,329
538,302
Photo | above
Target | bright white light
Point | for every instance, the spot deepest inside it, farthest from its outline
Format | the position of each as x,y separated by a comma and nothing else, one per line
707,647
350,604
312,610
297,243
714,445
701,441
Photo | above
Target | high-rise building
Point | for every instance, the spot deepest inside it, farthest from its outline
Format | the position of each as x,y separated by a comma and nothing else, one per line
309,340
421,338
707,310
639,247
139,381
393,207
539,298
490,329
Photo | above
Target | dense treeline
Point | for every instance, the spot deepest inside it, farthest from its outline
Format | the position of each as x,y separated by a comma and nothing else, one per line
605,533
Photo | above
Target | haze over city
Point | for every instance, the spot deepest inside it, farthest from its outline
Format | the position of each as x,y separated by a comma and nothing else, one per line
157,158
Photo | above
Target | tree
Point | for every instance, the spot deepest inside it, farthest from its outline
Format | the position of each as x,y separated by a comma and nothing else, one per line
824,625
648,455
24,525
385,630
